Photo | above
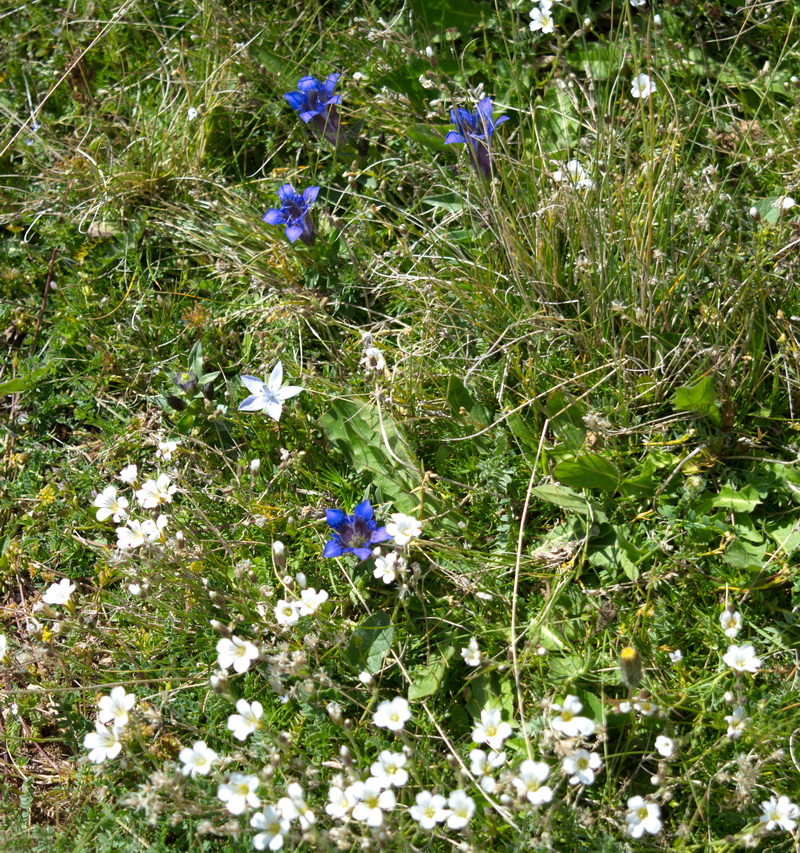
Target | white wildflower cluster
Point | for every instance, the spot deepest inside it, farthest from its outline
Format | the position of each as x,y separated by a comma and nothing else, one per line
104,742
743,661
574,175
288,612
152,494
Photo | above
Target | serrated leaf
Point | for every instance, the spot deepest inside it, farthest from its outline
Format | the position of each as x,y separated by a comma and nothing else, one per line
744,500
588,471
370,642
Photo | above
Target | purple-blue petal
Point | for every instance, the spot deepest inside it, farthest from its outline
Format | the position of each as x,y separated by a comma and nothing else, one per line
330,82
308,84
333,549
484,110
295,100
307,115
364,510
293,232
286,193
361,553
335,517
501,120
274,217
453,136
379,535
310,195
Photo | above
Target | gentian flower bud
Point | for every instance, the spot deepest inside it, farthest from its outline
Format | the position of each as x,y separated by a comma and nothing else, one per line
186,381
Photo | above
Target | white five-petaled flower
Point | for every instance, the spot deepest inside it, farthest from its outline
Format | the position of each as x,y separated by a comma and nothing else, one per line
567,722
372,801
481,766
310,601
676,656
197,759
462,807
530,780
114,708
392,714
138,533
128,475
403,528
389,770
108,505
779,812
59,593
742,659
3,649
580,766
472,654
731,622
235,652
429,809
268,396
341,802
239,793
156,492
272,829
247,720
642,817
166,449
541,20
102,743
491,729
736,721
286,613
642,87
665,746
386,567
294,806
573,173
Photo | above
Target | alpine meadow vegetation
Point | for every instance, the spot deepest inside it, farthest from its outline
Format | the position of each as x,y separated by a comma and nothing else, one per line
459,511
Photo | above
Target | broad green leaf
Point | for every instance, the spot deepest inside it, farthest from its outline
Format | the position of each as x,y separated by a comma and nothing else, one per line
23,383
588,471
786,535
426,679
462,401
430,137
370,642
568,500
745,555
451,202
354,426
744,500
700,398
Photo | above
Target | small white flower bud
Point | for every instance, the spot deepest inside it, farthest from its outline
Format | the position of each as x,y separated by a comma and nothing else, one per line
365,678
302,580
255,466
334,710
278,554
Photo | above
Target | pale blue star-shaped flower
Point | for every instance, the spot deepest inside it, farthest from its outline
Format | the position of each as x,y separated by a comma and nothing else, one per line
268,396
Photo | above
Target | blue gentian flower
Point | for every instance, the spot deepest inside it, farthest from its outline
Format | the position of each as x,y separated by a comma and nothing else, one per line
476,130
316,103
354,534
294,213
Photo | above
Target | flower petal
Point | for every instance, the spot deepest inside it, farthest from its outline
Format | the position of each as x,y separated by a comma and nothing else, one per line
452,137
253,385
333,548
293,232
335,517
288,391
296,100
286,193
253,403
308,84
273,409
362,553
276,377
379,535
310,195
274,217
364,510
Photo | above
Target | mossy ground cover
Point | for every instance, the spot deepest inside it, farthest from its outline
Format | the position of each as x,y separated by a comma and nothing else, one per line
561,358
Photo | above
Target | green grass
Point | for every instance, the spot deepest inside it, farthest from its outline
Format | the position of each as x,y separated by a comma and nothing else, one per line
590,400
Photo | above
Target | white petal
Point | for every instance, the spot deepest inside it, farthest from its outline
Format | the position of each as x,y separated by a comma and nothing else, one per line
273,409
253,385
276,377
288,391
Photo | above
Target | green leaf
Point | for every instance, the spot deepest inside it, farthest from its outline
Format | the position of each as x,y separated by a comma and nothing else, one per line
354,426
23,383
426,679
430,137
700,398
745,500
568,500
452,202
462,401
589,471
370,643
442,15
